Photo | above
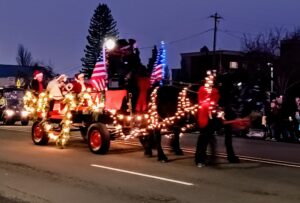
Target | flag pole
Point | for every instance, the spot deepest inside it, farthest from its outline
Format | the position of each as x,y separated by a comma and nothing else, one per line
103,53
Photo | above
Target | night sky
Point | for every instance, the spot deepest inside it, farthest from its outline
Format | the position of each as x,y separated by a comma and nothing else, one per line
55,31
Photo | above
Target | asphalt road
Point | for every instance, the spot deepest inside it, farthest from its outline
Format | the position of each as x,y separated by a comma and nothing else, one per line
269,172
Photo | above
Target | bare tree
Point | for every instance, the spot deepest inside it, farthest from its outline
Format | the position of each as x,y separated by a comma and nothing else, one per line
287,77
267,47
48,71
268,43
285,80
24,57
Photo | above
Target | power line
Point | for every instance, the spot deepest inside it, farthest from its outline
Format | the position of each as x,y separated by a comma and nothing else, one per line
239,32
229,34
182,39
189,37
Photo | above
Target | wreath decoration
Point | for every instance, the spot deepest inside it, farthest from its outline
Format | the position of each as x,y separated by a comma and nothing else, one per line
39,107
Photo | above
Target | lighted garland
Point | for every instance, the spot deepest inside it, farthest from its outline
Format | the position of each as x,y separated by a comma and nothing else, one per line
36,105
153,114
61,137
85,99
30,101
183,108
43,105
150,121
70,104
39,107
212,106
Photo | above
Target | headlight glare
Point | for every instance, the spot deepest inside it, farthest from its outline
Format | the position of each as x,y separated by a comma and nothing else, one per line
24,113
9,112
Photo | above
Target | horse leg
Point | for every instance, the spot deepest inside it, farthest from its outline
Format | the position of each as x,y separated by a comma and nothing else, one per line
174,142
160,153
147,142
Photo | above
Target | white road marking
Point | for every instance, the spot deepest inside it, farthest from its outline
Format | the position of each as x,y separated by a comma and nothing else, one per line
271,161
144,175
257,159
16,128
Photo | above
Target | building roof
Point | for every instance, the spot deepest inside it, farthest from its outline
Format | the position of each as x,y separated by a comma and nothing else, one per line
14,70
223,52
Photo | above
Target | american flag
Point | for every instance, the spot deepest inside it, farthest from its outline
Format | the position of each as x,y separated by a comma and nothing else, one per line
99,75
157,72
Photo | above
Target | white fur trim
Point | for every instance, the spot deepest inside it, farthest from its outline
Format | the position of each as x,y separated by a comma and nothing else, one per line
38,75
80,75
62,76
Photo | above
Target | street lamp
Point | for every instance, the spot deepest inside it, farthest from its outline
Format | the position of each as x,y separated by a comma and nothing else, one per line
108,44
272,76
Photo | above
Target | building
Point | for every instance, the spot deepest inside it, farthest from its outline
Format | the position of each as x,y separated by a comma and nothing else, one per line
288,73
194,65
14,75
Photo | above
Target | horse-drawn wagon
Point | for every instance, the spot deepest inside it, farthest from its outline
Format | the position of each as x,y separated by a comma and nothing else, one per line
100,117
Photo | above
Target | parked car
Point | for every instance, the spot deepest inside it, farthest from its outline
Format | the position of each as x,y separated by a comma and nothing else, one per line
12,110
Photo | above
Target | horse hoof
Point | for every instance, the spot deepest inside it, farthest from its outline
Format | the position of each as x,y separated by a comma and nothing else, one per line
234,160
163,160
179,152
148,153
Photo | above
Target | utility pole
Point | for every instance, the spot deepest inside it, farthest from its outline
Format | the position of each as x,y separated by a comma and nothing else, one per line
216,18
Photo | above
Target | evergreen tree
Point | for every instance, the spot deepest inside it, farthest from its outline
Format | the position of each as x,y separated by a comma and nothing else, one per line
102,25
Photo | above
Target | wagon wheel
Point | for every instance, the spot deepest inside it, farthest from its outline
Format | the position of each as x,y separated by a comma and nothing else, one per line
98,138
8,121
38,134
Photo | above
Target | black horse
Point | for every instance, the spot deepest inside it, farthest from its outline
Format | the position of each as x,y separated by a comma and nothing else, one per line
167,107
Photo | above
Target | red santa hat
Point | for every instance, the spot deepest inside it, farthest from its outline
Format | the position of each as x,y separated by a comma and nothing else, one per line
37,74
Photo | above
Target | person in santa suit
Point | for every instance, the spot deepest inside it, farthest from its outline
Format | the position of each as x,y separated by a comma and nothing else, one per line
54,89
37,83
78,83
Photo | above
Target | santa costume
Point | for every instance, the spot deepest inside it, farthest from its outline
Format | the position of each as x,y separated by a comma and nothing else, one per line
78,83
37,82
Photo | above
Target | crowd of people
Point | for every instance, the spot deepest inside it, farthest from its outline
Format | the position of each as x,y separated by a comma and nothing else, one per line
282,120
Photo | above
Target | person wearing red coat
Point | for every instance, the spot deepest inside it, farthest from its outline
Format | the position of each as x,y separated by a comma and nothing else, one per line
208,98
78,83
144,86
37,83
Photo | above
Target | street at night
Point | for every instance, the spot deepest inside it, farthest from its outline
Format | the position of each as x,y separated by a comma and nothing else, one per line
149,101
268,172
